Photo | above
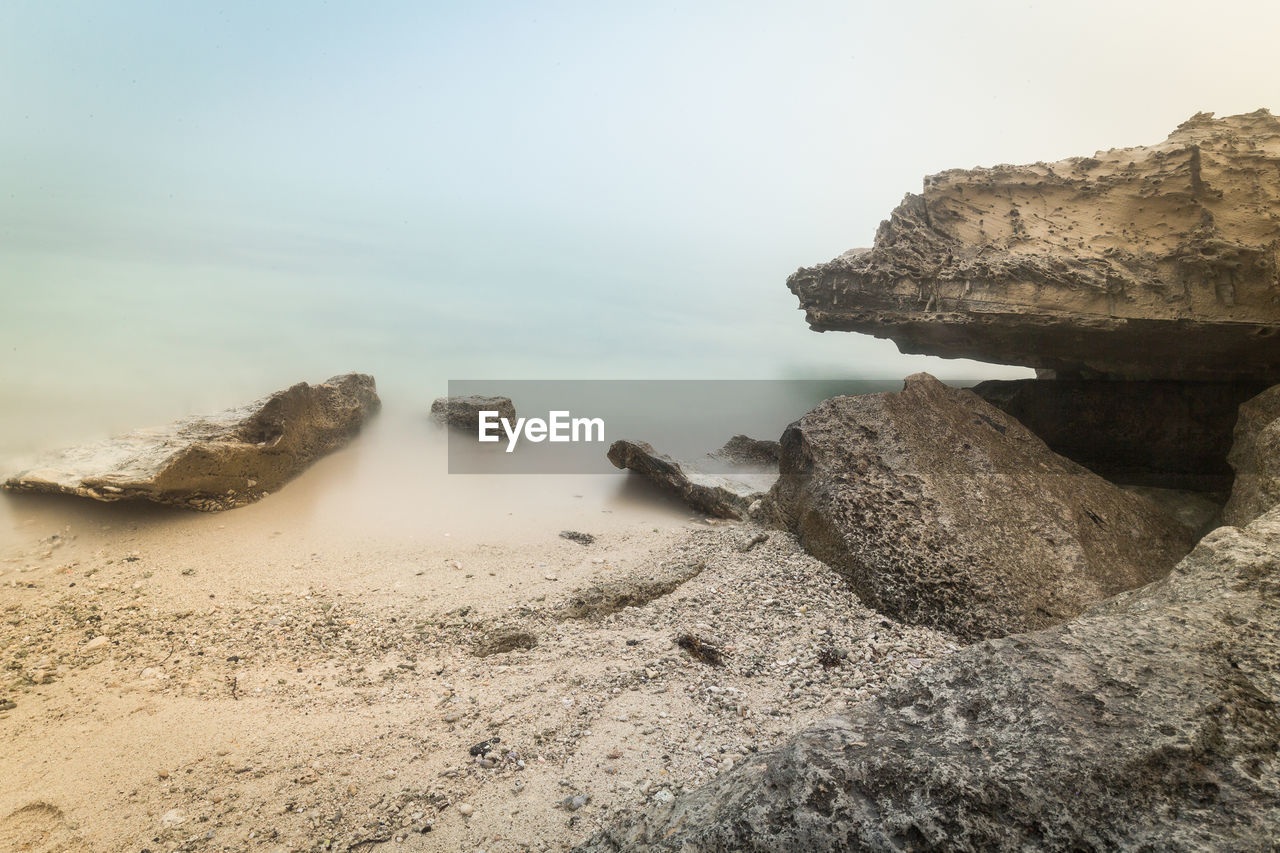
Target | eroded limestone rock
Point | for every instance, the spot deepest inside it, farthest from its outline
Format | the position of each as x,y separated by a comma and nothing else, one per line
943,511
214,462
1144,263
719,494
464,412
1152,722
1256,459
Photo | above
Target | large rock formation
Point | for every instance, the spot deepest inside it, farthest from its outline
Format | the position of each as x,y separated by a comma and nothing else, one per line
1150,723
1256,459
1151,262
1172,435
214,462
722,492
943,511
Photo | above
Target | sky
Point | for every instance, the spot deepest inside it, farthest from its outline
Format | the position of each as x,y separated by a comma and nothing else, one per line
248,193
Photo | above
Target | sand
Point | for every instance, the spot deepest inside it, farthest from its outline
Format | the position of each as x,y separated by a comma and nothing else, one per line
223,682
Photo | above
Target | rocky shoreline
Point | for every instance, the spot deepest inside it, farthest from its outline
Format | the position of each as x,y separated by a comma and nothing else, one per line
1035,615
1127,706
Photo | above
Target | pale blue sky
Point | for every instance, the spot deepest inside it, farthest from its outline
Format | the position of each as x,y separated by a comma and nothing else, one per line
275,191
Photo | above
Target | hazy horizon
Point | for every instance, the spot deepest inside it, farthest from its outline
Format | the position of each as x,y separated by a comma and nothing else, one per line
203,202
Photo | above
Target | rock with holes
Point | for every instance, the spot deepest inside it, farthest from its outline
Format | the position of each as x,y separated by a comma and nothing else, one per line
1156,262
1149,723
1255,455
214,462
944,511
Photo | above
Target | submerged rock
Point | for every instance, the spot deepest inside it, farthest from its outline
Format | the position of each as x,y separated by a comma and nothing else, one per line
1152,722
464,412
214,462
728,495
943,511
1256,459
1144,263
1169,435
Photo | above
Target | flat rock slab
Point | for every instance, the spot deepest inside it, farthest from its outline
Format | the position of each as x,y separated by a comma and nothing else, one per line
214,462
1149,723
943,511
722,495
464,412
1155,262
1256,459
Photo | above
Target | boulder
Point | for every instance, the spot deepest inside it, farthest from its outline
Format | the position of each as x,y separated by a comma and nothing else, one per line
464,412
1165,434
744,450
1152,722
943,511
214,462
1154,262
1256,459
722,495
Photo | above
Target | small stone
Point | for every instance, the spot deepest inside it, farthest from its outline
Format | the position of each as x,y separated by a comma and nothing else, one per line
96,643
575,802
465,809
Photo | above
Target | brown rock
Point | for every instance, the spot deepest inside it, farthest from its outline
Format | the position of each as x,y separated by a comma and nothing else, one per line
723,495
1142,263
464,412
943,511
1256,459
214,462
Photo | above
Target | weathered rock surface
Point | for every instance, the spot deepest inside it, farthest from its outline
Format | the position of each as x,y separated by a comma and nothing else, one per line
214,462
943,511
464,412
1152,722
1171,435
1198,512
722,495
1256,459
744,450
1143,263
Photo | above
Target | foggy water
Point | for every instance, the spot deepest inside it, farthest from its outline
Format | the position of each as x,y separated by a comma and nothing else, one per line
109,340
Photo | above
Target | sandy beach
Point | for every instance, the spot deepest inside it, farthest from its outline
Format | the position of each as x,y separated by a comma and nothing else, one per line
222,682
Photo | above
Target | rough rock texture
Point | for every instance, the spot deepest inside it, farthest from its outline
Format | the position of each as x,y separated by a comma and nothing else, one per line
1150,723
943,511
1144,263
1198,512
744,450
1172,435
464,412
1256,458
719,495
214,462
